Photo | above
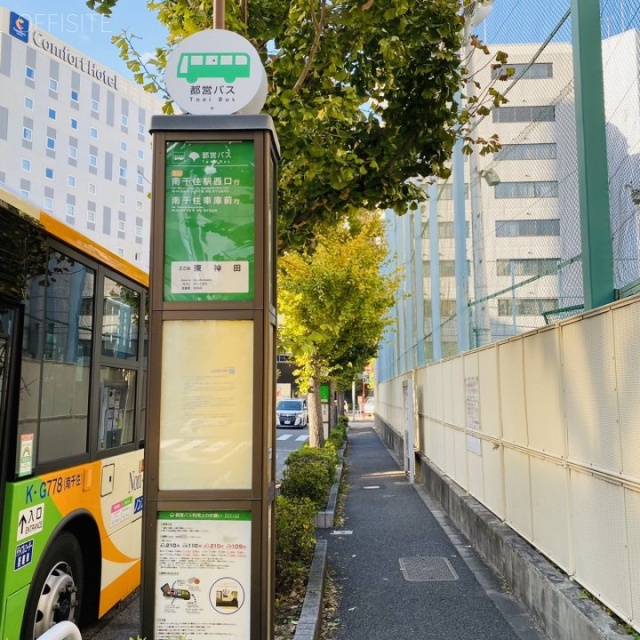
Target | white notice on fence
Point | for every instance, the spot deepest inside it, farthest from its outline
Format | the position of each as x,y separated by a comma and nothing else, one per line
472,401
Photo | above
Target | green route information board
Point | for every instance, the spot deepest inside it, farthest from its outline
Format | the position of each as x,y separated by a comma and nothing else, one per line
209,221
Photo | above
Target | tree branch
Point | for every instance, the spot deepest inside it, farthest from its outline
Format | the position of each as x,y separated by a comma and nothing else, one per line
319,27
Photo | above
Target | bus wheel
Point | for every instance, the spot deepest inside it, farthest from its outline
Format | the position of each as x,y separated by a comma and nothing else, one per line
56,588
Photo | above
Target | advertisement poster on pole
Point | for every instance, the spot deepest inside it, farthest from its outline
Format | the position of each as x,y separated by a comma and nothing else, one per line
203,575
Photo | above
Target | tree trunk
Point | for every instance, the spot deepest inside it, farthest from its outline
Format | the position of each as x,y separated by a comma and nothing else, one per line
316,429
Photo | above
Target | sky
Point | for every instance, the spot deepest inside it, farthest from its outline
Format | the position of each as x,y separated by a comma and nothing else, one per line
510,21
74,23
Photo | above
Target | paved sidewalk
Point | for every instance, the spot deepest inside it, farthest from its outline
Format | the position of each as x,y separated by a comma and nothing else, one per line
404,571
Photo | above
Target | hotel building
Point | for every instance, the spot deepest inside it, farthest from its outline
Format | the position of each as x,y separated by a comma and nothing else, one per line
74,138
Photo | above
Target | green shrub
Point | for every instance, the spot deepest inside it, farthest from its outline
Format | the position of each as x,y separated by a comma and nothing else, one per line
295,541
325,455
307,478
338,435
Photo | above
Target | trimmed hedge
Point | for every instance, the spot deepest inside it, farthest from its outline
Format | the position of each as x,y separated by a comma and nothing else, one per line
295,541
309,473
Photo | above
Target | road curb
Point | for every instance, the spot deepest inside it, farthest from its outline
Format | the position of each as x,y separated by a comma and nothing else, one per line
308,627
309,624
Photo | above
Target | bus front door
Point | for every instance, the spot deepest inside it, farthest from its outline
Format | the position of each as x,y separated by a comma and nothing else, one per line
10,345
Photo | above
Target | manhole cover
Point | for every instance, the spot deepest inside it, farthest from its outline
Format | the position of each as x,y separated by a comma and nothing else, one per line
423,569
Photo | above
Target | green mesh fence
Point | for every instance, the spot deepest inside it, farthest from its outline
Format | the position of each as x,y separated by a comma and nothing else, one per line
522,205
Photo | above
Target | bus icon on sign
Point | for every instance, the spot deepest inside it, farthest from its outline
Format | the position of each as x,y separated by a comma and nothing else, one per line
227,66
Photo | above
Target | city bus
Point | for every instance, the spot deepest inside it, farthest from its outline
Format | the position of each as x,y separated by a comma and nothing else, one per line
73,339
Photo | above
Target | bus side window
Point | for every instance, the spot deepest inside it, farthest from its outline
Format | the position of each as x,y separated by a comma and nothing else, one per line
63,419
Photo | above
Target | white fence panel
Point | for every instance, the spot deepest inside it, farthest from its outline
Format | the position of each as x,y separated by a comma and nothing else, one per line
513,408
461,469
489,392
450,452
600,539
544,392
518,492
590,382
493,475
626,331
447,391
475,471
458,393
632,501
551,511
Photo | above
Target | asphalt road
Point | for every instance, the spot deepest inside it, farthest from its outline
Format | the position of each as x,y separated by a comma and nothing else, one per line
288,440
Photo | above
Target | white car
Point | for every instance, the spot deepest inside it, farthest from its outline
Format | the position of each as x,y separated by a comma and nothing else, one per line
292,412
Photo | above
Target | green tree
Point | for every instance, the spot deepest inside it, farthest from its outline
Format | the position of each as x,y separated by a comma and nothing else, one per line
334,302
361,93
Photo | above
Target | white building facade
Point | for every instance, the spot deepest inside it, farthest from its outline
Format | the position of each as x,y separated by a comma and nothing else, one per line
74,138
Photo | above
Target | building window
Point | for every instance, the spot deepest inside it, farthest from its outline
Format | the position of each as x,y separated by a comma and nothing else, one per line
24,193
516,228
93,160
139,180
122,173
95,106
141,129
71,181
445,191
26,164
524,114
74,95
122,199
448,308
71,210
527,267
48,173
140,154
52,114
27,133
121,226
53,85
51,143
73,152
30,73
541,151
138,205
138,231
541,189
447,268
124,121
91,188
525,71
123,147
138,257
93,132
446,230
28,104
74,123
48,204
526,306
91,216
121,252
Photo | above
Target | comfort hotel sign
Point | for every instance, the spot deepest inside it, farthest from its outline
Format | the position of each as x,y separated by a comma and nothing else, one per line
19,27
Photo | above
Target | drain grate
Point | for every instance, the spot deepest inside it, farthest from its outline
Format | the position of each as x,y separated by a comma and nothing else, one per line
424,569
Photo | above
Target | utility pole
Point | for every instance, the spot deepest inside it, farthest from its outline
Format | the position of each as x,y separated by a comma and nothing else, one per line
218,14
